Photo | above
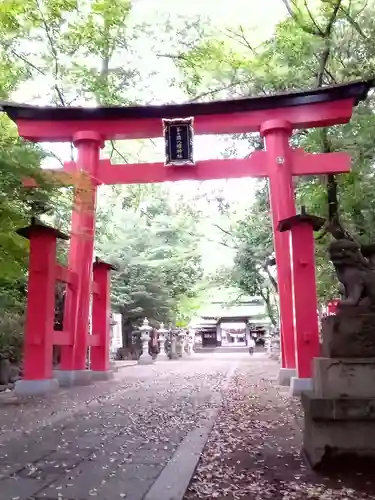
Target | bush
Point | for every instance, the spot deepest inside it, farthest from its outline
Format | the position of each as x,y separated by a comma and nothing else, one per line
11,336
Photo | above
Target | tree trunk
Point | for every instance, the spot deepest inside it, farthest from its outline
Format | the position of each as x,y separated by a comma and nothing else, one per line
267,299
127,328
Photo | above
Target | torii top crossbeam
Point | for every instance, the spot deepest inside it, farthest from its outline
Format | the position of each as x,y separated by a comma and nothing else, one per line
302,109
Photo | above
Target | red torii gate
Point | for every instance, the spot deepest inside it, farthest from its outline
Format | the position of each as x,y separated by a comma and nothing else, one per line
273,116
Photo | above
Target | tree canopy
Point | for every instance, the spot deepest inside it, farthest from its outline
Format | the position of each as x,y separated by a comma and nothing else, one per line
318,43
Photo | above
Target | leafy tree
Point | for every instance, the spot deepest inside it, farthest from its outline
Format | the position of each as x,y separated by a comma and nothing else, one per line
17,161
89,54
251,271
317,44
252,262
155,249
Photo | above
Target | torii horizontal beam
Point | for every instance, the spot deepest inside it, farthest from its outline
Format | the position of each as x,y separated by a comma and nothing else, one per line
304,116
253,166
322,107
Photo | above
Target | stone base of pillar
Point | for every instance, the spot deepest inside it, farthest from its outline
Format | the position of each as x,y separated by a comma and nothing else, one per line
162,356
67,378
146,359
299,385
275,356
285,375
114,367
27,388
102,375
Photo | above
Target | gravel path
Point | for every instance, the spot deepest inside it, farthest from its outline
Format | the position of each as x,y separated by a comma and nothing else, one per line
253,451
110,440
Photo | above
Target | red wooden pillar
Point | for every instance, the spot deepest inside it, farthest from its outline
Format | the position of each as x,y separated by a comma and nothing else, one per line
279,168
76,317
100,361
38,345
300,229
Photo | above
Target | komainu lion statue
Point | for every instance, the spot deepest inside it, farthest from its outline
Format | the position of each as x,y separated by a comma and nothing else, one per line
354,272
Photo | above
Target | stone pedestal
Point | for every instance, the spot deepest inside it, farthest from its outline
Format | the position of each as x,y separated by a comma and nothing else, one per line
344,377
68,378
162,356
337,427
349,334
190,347
274,350
340,410
173,352
146,358
180,347
300,385
27,388
102,375
286,375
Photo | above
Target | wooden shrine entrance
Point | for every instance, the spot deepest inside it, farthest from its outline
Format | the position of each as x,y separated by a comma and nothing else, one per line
275,117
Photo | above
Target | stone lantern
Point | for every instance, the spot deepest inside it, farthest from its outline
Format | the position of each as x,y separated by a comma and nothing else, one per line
173,348
162,335
190,342
145,358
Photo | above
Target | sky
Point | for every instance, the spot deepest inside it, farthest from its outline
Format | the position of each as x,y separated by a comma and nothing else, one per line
262,15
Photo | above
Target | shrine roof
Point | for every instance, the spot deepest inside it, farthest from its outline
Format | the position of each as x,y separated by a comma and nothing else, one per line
356,90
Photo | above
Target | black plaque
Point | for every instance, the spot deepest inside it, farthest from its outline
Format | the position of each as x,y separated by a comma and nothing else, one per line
178,136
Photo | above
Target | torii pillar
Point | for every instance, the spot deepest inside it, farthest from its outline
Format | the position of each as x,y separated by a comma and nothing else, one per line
279,169
74,358
300,229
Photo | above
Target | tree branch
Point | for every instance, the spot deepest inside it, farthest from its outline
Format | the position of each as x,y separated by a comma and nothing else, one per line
266,297
304,27
271,278
173,56
215,91
195,235
354,23
240,38
54,54
23,59
327,44
318,29
223,230
115,150
53,155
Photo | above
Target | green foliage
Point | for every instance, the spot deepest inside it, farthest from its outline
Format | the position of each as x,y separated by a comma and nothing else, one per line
63,52
251,270
318,43
11,336
17,161
155,249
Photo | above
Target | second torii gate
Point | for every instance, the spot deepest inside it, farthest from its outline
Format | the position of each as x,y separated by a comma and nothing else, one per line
275,117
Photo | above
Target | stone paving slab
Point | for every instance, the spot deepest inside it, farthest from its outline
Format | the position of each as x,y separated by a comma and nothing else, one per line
20,488
115,446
